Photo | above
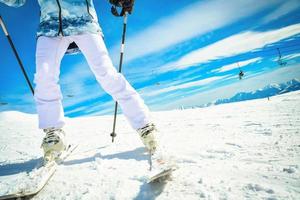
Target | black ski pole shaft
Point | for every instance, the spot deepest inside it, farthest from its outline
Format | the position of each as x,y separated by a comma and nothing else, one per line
16,54
113,134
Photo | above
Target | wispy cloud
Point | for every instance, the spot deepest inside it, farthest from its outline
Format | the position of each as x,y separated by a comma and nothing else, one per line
187,85
80,83
233,45
194,20
284,9
97,108
287,59
291,56
235,65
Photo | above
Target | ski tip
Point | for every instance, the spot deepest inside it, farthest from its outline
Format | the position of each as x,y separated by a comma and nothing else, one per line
161,175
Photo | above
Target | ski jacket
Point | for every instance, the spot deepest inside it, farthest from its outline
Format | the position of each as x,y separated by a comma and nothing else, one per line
64,17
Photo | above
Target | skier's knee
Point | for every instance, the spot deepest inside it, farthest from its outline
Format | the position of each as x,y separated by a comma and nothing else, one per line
47,88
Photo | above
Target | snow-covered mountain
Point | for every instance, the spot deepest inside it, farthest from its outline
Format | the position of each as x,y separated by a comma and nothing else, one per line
221,152
268,91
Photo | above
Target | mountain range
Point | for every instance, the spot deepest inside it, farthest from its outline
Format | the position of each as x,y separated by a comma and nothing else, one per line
267,91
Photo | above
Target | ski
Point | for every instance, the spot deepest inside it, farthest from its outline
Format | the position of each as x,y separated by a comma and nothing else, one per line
43,174
160,175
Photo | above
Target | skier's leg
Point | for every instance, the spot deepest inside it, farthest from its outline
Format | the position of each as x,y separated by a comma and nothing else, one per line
48,96
49,52
114,83
133,107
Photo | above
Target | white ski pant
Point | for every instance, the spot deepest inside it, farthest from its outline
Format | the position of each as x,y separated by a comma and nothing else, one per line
48,97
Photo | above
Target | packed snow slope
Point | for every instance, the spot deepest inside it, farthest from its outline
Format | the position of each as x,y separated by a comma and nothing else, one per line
244,150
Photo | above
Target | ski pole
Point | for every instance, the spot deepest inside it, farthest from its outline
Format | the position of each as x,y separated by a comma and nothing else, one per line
16,53
113,134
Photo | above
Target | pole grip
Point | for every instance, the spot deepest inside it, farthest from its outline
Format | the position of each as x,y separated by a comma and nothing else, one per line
125,17
3,26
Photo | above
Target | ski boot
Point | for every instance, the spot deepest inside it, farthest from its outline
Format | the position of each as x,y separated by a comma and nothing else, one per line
53,143
157,160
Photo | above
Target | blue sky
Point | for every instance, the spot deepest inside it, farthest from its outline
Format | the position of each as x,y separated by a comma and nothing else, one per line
178,53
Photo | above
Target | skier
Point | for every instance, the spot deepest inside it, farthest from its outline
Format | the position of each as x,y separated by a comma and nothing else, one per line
66,24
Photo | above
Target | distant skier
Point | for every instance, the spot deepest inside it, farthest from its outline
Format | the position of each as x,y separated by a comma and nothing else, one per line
73,23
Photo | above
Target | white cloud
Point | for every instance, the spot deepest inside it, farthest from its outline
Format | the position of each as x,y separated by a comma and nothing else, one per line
286,57
233,45
193,20
284,9
74,82
291,56
99,108
240,64
182,86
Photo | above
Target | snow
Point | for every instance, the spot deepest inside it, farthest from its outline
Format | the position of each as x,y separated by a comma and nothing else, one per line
244,150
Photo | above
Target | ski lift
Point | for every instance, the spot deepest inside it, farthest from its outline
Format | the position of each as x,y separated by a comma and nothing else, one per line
280,61
241,73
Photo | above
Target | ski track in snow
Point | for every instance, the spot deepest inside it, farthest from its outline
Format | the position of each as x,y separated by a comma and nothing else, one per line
245,150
